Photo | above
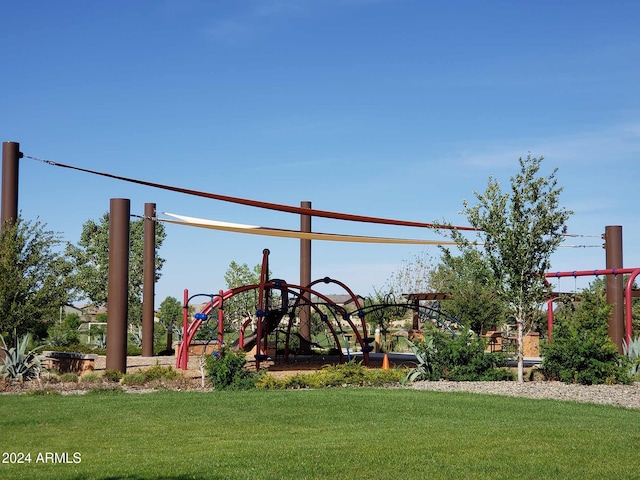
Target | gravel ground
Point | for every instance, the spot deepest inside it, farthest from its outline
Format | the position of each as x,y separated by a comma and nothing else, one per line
627,396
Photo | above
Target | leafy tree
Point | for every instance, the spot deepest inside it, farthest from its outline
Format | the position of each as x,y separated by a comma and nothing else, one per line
470,281
396,309
65,333
244,305
34,277
91,262
170,314
520,230
412,276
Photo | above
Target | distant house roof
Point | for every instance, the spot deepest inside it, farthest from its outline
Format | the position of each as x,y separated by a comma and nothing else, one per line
427,296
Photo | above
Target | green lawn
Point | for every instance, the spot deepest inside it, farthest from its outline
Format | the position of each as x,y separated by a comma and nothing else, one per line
317,434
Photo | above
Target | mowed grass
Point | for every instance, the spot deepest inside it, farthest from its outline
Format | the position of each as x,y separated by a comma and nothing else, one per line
318,434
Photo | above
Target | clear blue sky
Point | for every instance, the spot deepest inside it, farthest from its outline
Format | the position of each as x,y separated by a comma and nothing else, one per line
394,108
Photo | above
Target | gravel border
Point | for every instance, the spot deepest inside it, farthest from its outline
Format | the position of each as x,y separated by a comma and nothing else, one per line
627,396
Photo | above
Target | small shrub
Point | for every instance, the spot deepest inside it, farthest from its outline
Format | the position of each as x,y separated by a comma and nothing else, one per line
352,374
136,378
582,351
91,377
68,377
462,358
226,371
113,375
133,350
158,372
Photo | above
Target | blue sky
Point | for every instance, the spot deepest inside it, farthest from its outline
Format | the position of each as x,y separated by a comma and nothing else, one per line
393,108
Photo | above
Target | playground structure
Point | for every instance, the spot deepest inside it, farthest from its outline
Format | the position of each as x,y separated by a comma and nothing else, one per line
269,315
628,296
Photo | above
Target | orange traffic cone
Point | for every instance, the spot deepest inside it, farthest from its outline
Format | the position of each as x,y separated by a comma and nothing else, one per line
385,362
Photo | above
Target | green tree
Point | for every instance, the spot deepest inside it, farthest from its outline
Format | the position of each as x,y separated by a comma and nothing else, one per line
170,314
411,276
91,263
582,351
469,280
34,277
520,230
244,305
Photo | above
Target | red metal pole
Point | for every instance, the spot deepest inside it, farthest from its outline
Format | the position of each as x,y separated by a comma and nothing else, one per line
10,167
183,349
629,306
118,287
149,278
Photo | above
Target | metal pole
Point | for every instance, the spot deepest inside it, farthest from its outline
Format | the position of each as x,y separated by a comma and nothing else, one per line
118,288
10,155
149,278
305,275
615,287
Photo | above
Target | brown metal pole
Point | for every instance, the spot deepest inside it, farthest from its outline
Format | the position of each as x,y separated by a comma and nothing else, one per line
118,288
10,155
615,286
149,278
305,275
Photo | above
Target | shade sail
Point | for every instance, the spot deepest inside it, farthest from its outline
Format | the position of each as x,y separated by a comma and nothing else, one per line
279,232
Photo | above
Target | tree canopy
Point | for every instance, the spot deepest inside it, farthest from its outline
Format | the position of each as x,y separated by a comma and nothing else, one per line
474,298
34,277
519,230
90,258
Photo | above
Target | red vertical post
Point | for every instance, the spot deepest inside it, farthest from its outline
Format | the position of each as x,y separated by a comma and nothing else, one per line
221,320
549,320
615,287
118,286
184,348
305,275
10,166
149,278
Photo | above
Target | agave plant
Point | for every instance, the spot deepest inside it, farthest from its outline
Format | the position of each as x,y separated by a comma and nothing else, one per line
632,351
100,340
18,364
136,337
424,369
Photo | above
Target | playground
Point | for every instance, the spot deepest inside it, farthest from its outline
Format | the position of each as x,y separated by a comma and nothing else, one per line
289,316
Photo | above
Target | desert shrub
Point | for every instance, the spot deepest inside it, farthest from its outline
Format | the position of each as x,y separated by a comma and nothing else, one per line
226,371
581,350
135,378
346,375
460,358
91,377
113,375
18,364
68,377
632,351
158,372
